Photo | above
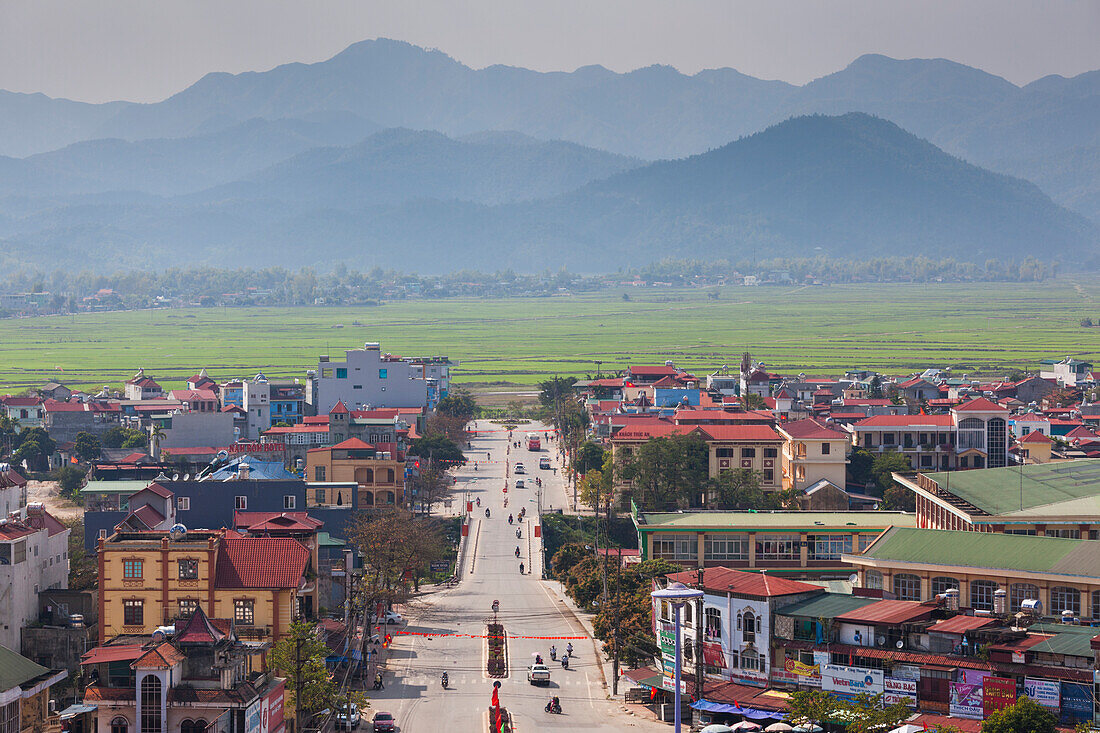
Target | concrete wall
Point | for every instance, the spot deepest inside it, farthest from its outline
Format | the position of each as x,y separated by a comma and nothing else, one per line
198,430
367,380
57,647
46,566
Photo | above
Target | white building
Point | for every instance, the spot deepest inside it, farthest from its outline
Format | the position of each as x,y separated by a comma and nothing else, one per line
368,378
13,490
142,387
257,403
735,626
34,556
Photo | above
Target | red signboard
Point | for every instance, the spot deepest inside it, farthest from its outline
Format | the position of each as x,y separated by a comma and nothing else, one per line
712,655
998,693
275,708
256,448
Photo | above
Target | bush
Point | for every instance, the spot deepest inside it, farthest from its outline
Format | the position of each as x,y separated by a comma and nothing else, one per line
69,479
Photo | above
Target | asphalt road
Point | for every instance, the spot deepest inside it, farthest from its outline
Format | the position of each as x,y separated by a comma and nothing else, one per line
445,630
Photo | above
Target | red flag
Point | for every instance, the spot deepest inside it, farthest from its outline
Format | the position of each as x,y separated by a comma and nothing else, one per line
652,692
496,699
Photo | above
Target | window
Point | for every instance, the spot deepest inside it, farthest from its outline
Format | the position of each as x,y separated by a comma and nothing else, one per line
825,448
942,583
777,547
1063,598
150,705
244,611
189,568
320,496
872,579
907,587
749,625
131,569
750,660
723,452
133,612
830,546
119,725
1020,592
341,373
748,452
769,476
675,547
1073,534
981,594
666,612
771,452
926,462
726,547
240,502
888,439
19,553
800,473
713,622
383,373
183,503
800,451
187,606
319,473
357,386
1095,606
1031,532
865,541
288,501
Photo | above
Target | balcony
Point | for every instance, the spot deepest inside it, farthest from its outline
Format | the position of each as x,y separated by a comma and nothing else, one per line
253,633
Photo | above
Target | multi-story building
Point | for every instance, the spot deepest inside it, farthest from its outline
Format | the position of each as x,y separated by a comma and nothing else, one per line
34,556
1059,499
367,378
973,435
196,400
790,543
25,412
142,387
256,403
198,678
813,451
377,469
13,490
287,402
152,579
25,694
1066,372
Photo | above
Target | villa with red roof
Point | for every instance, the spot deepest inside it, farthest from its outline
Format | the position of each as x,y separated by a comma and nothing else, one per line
814,451
142,387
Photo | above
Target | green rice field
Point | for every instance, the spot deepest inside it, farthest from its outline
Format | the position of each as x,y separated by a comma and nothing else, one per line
976,328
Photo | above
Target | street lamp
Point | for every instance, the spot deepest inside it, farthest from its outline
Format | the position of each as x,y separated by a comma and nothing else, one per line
677,594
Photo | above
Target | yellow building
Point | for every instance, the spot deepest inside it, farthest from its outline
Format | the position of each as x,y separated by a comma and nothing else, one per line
813,451
377,469
152,579
1035,447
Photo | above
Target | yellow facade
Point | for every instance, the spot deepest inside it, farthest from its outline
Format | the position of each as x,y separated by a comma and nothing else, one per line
380,481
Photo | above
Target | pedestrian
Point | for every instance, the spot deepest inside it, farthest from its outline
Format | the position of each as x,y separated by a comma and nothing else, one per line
378,681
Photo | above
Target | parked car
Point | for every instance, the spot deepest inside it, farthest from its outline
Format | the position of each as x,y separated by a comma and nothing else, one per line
538,674
389,617
348,718
544,463
383,722
520,468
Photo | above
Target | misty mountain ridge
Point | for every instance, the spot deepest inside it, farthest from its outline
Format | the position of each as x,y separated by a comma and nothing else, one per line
848,186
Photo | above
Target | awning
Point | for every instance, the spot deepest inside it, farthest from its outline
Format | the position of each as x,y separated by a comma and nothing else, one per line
120,653
720,707
644,676
74,710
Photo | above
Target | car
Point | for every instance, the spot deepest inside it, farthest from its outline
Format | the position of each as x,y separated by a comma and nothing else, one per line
520,468
389,617
520,484
544,463
348,718
538,674
383,722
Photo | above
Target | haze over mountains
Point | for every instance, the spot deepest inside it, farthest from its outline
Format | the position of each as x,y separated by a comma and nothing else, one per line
303,160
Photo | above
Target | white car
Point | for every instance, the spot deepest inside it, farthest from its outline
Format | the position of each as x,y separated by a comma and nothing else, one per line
348,718
389,617
520,484
538,674
520,468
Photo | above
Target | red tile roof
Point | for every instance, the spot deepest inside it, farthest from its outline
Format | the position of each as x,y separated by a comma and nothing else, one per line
159,491
727,580
119,653
960,624
10,478
812,429
1034,437
148,516
185,395
338,409
353,444
888,612
21,401
260,562
897,421
740,432
39,518
199,630
112,694
980,405
59,406
867,402
162,656
606,382
315,420
268,521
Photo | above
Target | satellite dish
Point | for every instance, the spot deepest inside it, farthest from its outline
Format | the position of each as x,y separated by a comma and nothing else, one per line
881,641
186,477
853,578
900,644
175,477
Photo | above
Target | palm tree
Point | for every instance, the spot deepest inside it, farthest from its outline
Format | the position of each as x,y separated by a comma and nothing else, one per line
157,434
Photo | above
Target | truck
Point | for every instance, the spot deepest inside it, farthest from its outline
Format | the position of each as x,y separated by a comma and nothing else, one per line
544,463
534,442
538,674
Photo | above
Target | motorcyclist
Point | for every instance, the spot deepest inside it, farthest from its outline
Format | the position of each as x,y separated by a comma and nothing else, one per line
479,501
486,512
517,550
538,659
519,533
554,706
553,652
565,661
488,456
569,648
510,519
445,680
475,465
521,568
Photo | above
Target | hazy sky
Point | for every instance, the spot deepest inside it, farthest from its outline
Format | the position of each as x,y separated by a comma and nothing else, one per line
145,50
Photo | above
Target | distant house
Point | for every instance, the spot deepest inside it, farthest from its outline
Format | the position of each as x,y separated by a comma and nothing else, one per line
813,451
25,412
918,390
1066,372
13,489
142,387
54,391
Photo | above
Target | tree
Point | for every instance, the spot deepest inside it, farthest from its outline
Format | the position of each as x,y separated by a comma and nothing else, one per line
87,446
874,389
595,489
868,713
116,436
451,427
590,456
300,657
438,447
860,462
69,480
886,464
752,401
1023,716
898,499
740,489
669,472
458,404
566,557
554,389
433,484
396,548
812,706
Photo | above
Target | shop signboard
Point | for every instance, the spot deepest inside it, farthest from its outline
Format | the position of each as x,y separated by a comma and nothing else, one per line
966,701
899,690
1076,704
997,694
852,680
1045,692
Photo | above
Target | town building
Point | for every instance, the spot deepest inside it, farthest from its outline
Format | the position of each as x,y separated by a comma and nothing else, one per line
790,543
142,387
65,420
200,677
196,400
1060,499
1067,372
34,556
813,451
13,490
25,694
367,378
25,412
377,470
155,578
288,401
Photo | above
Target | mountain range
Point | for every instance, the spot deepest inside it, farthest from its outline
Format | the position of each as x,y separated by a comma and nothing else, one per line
387,145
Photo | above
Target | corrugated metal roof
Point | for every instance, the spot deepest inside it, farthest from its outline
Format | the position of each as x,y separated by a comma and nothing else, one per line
104,654
15,669
960,624
888,612
1040,485
826,605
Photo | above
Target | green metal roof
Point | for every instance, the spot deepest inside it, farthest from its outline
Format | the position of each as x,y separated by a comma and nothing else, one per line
1071,640
15,669
1044,488
114,487
324,539
988,550
826,605
794,520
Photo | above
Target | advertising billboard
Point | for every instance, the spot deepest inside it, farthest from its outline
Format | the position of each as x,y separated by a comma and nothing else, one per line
966,701
852,680
997,694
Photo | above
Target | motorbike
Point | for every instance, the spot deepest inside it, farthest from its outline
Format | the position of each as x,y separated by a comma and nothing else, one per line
553,706
486,512
510,519
554,654
479,501
521,568
565,661
444,681
519,534
517,552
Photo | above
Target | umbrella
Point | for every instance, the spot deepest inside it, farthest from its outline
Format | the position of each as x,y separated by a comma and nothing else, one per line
778,728
745,725
909,728
806,728
717,728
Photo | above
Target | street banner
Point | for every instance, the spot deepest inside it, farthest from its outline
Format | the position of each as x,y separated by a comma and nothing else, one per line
1045,692
1076,703
852,680
998,693
899,690
966,701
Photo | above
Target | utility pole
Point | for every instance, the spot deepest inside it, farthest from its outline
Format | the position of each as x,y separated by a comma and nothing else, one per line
699,620
615,634
298,684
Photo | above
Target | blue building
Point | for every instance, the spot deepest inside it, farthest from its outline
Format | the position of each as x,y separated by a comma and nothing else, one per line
287,402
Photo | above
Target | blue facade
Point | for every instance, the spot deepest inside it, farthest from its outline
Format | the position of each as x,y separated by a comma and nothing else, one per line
232,396
673,397
211,505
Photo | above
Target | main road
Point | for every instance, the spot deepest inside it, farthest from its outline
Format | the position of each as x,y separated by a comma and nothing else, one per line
446,629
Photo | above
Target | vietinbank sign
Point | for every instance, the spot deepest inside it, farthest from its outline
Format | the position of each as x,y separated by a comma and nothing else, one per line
852,680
